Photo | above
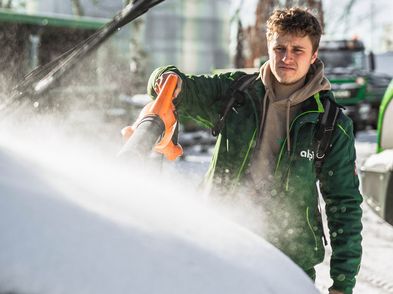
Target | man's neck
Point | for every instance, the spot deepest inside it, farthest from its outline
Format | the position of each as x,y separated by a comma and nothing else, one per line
283,91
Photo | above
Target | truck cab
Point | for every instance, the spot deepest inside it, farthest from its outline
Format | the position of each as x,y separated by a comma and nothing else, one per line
354,82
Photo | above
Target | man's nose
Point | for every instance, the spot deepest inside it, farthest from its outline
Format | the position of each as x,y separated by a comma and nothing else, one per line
287,56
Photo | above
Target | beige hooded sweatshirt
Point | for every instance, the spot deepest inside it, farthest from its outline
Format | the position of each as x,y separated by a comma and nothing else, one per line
279,110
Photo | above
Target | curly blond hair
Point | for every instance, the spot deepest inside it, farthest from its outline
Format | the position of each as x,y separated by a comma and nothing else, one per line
296,21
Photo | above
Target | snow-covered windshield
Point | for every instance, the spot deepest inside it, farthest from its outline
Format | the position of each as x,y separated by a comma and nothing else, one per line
343,59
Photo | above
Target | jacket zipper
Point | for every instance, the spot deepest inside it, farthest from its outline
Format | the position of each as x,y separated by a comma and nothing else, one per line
287,180
245,157
312,231
250,145
257,132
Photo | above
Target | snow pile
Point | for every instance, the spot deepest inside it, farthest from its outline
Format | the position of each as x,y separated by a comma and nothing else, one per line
74,221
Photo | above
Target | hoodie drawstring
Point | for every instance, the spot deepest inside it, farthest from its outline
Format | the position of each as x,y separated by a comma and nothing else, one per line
264,110
263,117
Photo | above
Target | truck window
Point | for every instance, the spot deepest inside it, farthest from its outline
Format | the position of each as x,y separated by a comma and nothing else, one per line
343,59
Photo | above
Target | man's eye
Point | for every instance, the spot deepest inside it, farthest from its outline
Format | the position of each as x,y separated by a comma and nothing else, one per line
280,49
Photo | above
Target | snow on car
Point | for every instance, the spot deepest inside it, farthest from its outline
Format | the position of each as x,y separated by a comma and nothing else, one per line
74,221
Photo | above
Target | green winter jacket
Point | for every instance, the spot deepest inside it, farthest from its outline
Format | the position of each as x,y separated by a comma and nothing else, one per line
295,193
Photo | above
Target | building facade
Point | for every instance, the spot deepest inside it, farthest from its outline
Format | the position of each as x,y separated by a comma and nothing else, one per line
192,34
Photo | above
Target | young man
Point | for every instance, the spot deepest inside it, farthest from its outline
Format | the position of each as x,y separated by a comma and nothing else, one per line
267,143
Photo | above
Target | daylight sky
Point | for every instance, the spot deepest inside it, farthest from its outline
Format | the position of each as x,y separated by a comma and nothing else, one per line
359,22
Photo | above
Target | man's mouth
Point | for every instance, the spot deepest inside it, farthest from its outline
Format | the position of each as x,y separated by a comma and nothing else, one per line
285,67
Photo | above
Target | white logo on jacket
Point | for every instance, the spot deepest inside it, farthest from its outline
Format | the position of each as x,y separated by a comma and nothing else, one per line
307,154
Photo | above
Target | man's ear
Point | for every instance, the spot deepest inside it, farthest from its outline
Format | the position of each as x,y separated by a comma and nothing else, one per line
314,56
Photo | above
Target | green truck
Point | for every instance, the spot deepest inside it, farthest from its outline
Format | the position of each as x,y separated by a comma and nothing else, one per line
354,81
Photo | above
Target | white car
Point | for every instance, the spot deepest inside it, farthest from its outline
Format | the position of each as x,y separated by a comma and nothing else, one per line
74,222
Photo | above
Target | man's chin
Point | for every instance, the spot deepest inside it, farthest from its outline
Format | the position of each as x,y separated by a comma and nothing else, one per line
288,82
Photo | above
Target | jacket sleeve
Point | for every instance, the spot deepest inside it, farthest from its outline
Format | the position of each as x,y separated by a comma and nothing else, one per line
339,185
201,97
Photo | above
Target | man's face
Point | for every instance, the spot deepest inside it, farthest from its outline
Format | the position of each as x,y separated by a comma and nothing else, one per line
290,57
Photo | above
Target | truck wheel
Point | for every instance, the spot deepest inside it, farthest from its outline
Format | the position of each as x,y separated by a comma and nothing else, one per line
389,202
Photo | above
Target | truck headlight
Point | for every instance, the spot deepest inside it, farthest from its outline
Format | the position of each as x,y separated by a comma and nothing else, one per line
342,94
360,81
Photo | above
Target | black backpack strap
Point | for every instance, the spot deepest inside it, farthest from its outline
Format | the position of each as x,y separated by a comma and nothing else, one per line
235,94
326,124
324,133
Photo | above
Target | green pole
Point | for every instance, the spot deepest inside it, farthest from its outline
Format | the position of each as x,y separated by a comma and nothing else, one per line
387,98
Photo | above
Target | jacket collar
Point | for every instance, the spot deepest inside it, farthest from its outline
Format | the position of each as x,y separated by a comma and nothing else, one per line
315,103
313,106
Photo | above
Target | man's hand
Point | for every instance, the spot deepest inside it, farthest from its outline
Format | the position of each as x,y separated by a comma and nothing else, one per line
127,131
161,81
332,291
